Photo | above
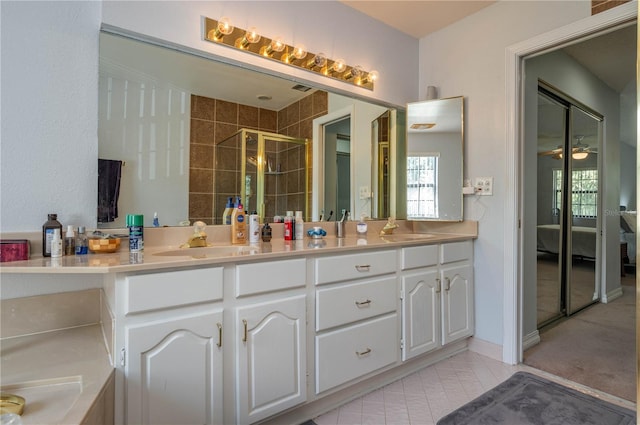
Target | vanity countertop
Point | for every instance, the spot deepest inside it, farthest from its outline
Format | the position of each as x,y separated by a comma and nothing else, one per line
59,373
150,258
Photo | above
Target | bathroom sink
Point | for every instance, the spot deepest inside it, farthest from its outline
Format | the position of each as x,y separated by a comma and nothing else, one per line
400,237
210,251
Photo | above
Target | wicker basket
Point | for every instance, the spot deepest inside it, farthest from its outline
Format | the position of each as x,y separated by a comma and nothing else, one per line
100,245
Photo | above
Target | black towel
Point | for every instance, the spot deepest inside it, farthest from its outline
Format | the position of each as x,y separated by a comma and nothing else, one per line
109,172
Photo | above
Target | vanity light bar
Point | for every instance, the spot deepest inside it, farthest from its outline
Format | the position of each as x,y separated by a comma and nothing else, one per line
221,32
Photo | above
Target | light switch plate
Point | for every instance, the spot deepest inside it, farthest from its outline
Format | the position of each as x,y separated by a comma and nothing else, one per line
365,193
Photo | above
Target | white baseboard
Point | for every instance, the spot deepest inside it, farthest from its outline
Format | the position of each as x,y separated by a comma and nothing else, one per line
530,340
486,348
610,296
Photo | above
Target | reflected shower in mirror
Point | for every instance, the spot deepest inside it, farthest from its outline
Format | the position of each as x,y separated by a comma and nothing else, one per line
434,159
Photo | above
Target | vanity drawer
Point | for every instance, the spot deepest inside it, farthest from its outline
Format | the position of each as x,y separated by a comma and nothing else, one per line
419,256
354,266
258,278
172,289
349,353
456,251
349,303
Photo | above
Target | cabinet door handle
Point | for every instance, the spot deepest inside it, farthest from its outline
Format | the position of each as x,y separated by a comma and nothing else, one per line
438,285
363,353
363,267
244,335
361,304
448,284
219,334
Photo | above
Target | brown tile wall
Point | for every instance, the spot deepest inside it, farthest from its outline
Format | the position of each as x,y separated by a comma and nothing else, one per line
598,6
213,121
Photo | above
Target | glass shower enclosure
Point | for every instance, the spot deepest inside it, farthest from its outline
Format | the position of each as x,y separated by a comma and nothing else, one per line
269,171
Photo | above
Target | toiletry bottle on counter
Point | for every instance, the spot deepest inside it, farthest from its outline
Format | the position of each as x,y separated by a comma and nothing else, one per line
56,244
228,210
156,222
361,227
70,241
288,227
135,223
82,245
254,227
266,233
238,225
299,226
47,233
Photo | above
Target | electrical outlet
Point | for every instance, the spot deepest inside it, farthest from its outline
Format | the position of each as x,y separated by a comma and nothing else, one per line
364,192
484,186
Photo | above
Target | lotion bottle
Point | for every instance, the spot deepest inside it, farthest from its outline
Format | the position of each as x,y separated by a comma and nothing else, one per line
254,228
299,226
56,244
238,226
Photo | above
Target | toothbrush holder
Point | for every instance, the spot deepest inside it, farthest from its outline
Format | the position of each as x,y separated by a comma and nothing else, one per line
340,229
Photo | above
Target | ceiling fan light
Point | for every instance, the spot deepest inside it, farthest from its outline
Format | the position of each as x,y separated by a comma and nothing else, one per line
580,155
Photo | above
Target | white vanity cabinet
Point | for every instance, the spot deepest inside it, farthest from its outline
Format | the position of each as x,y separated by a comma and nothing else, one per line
436,296
356,316
271,339
172,354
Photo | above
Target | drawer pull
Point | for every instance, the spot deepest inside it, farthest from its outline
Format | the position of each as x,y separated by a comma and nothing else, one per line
363,268
219,334
438,285
448,284
363,353
361,304
244,335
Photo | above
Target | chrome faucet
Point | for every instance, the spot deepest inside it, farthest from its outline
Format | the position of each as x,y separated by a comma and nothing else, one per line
389,226
199,238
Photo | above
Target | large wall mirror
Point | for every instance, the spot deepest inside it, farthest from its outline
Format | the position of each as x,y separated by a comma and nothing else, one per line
180,134
435,159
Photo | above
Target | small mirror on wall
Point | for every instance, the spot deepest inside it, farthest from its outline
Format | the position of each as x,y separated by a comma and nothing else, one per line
435,159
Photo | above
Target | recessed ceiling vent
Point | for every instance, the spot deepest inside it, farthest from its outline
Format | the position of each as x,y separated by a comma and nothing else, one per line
301,88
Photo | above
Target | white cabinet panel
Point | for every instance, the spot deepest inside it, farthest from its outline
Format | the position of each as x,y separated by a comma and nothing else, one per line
457,303
456,251
421,313
154,291
270,276
354,266
352,302
271,361
419,256
354,351
174,371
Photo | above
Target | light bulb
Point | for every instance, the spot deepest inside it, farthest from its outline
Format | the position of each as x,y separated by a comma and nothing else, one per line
373,75
319,60
298,52
276,45
250,36
338,66
223,28
355,72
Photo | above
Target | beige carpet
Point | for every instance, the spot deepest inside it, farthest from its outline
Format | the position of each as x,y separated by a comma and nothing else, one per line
595,347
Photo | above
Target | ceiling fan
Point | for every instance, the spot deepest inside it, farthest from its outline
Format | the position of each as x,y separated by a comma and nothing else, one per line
579,150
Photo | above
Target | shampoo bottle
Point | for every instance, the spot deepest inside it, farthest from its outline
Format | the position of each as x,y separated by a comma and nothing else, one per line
228,210
238,226
299,226
254,228
289,234
47,233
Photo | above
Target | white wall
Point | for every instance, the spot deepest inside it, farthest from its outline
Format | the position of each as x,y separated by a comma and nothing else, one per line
468,59
49,147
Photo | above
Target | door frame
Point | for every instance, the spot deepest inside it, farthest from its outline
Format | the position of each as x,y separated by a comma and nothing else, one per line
514,194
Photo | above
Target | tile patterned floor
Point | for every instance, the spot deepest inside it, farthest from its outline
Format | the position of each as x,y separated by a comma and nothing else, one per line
426,396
